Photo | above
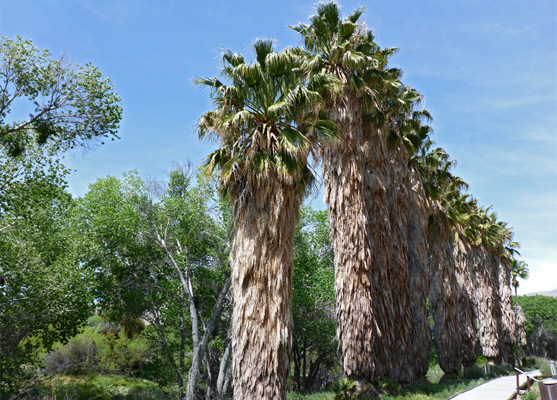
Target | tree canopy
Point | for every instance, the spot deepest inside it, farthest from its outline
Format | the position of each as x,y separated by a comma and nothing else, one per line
43,99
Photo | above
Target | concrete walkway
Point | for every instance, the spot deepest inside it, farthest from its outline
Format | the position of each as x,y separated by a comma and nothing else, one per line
497,389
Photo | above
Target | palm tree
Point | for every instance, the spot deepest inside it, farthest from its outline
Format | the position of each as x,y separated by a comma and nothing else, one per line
443,188
356,172
415,136
406,134
486,263
267,124
466,310
518,269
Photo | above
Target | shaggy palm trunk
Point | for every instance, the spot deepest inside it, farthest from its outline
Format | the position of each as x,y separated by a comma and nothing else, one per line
520,319
398,349
488,307
265,214
418,274
443,296
507,312
346,193
466,312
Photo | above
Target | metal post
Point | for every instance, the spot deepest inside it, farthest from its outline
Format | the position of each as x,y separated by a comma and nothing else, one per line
517,385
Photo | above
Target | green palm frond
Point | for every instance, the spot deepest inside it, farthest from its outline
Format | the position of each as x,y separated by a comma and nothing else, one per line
263,48
231,59
265,116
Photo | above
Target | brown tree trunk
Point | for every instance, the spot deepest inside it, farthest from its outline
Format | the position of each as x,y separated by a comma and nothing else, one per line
347,192
520,326
265,211
488,306
466,312
418,279
443,296
507,312
399,347
365,191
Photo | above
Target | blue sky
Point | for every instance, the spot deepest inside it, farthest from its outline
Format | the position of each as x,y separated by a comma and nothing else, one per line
487,69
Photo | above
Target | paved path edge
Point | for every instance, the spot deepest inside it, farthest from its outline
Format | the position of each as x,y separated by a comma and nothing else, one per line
472,388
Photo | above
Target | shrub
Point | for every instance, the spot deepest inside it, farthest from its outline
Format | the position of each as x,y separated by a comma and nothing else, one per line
80,355
106,352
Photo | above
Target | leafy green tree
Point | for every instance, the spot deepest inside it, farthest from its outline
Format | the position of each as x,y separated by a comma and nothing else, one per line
313,303
44,295
67,105
541,324
159,251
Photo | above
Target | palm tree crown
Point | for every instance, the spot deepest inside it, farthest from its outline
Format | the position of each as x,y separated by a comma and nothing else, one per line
265,117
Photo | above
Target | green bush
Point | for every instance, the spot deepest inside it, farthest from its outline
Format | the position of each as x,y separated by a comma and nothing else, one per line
96,386
80,355
110,351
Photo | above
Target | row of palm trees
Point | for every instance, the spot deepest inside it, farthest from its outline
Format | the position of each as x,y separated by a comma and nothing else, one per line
402,229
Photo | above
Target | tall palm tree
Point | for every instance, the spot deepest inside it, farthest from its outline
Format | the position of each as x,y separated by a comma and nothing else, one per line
507,313
466,310
415,136
356,173
504,250
442,188
267,123
406,133
518,269
485,266
418,282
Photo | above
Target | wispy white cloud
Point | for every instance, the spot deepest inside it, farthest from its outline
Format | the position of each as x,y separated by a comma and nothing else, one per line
115,11
484,27
504,102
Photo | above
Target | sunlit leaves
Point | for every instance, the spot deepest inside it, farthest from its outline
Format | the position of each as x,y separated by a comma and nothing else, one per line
70,105
266,117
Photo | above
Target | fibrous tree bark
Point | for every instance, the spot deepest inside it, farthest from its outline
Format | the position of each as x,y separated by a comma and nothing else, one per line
418,278
466,312
487,304
347,190
443,295
507,312
397,350
265,215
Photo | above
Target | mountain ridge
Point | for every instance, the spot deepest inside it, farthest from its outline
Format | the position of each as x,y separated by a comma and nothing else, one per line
550,293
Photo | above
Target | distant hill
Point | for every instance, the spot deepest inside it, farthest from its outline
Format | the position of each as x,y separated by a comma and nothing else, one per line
551,293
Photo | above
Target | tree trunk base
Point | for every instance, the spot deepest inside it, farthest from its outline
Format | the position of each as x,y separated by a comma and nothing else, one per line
365,391
448,377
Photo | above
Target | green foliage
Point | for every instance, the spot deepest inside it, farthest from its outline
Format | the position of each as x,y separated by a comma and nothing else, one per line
541,324
266,118
44,293
430,391
313,303
123,225
312,396
68,105
540,309
343,389
533,394
107,351
96,386
536,363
